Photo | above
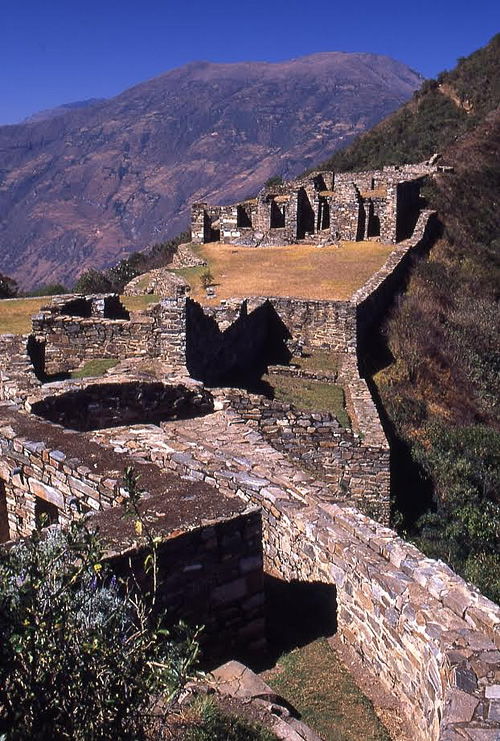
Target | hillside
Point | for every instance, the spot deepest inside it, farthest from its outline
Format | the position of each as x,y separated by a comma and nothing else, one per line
440,388
86,187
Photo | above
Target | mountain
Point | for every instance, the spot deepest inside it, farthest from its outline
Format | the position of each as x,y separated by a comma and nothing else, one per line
60,110
439,379
83,189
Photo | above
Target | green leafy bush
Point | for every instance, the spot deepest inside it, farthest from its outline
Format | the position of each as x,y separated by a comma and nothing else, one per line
465,530
79,656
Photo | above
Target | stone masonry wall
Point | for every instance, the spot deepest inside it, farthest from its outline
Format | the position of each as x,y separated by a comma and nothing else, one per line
31,469
360,469
209,574
70,341
212,576
431,638
17,375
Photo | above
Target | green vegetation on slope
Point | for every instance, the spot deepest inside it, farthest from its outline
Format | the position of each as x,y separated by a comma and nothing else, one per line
440,111
441,391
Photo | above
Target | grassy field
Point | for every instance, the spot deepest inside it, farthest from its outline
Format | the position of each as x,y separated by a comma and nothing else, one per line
318,685
301,271
16,313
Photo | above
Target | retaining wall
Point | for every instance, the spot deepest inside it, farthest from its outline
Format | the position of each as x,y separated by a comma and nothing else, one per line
358,468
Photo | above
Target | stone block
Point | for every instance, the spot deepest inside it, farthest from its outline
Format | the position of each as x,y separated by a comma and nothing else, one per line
46,492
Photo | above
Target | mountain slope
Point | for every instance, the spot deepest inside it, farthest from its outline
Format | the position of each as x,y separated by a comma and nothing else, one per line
441,389
83,189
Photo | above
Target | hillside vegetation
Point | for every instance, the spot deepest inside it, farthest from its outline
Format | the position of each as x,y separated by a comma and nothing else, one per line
441,389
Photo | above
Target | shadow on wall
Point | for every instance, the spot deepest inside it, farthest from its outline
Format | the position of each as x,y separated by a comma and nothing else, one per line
297,613
240,354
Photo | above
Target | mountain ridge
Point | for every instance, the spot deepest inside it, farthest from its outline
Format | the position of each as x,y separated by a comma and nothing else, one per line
85,189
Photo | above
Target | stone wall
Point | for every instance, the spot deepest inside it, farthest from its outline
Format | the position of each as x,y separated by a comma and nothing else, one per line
32,473
68,341
429,637
160,281
210,559
112,403
296,210
371,301
209,576
357,467
17,374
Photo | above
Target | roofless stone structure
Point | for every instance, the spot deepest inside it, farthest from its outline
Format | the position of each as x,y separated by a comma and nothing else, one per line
321,207
225,488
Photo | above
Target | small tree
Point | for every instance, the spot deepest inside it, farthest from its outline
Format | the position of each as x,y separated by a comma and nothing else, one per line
92,281
273,181
206,279
8,287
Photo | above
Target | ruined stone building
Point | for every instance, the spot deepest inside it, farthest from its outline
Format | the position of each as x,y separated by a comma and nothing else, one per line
322,208
236,484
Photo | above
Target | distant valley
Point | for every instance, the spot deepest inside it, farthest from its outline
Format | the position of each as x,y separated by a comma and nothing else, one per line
88,183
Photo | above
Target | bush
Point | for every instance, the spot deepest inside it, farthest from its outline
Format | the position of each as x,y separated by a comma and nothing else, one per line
49,289
206,279
79,657
92,281
465,465
273,181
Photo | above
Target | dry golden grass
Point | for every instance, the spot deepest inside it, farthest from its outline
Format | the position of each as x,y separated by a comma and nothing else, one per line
16,313
299,271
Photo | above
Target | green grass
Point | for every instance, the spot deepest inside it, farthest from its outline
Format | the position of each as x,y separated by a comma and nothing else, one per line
318,685
318,360
137,303
192,276
95,368
217,725
309,395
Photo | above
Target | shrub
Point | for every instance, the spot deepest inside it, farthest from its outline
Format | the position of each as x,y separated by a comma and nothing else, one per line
8,286
79,657
92,281
206,279
273,181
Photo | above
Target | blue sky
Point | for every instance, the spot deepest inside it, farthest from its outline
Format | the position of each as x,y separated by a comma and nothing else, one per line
54,52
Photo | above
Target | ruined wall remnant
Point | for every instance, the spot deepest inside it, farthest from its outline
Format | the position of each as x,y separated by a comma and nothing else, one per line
209,575
210,551
322,208
69,340
356,466
112,404
432,639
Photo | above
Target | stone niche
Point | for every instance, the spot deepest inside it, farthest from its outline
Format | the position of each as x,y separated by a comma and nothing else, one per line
102,405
